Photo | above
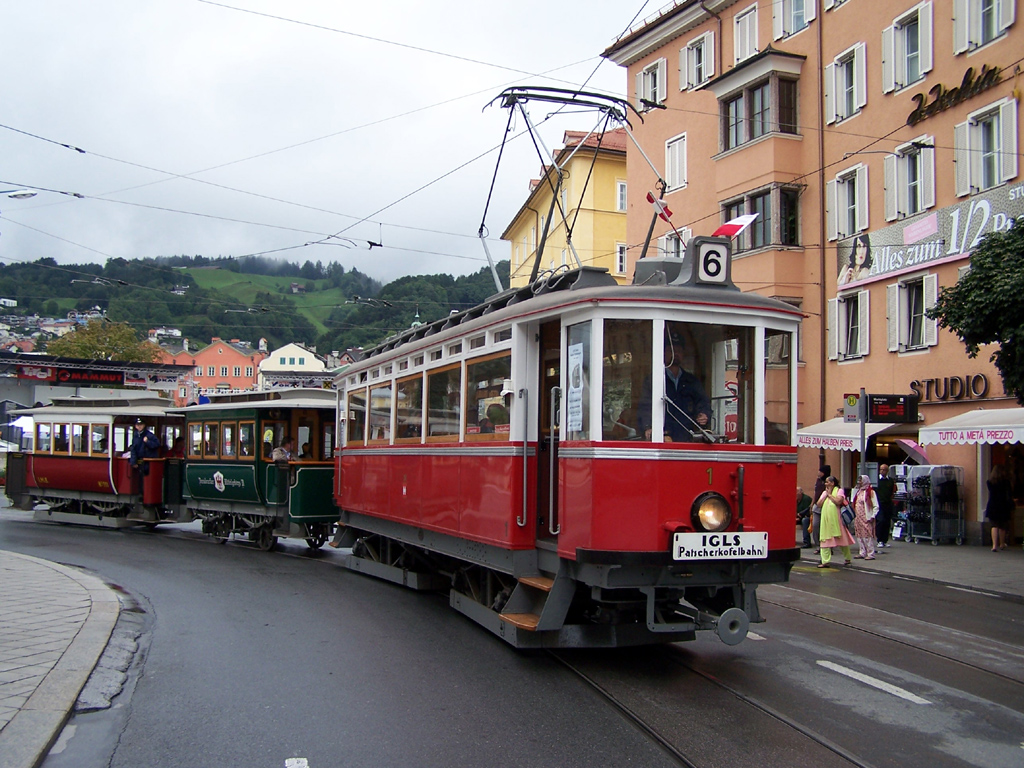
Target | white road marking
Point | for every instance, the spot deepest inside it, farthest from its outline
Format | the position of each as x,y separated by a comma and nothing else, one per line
886,687
754,636
296,762
972,591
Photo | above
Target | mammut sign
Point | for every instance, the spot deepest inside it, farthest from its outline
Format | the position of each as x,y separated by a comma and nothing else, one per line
70,376
945,98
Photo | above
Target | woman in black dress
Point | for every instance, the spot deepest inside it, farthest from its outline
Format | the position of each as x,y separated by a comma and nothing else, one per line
1000,506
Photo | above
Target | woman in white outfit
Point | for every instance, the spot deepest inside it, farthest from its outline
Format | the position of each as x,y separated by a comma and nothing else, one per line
865,507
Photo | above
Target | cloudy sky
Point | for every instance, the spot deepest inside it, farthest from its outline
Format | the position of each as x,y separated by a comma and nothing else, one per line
253,126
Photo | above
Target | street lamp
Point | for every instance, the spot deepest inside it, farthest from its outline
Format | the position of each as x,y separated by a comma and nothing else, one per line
18,194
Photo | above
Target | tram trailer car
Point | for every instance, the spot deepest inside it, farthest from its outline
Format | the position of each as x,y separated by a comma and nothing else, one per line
231,481
78,465
522,454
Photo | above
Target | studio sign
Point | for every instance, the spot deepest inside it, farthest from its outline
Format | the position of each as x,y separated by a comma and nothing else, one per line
943,98
951,388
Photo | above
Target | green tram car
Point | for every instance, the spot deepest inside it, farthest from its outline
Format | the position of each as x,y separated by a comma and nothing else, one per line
233,484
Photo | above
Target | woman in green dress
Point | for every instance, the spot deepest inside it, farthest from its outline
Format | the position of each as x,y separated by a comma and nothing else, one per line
833,533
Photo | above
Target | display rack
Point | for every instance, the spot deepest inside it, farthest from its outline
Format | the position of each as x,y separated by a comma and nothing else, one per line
931,501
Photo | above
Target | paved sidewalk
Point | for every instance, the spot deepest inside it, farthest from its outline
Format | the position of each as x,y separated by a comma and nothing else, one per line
55,623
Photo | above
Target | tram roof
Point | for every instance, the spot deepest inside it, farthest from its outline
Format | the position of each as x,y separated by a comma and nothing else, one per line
84,408
582,286
266,399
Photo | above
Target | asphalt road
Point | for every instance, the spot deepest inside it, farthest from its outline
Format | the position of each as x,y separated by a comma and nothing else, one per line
250,658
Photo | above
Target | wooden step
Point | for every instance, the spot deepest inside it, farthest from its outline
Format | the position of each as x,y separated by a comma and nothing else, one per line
527,621
537,582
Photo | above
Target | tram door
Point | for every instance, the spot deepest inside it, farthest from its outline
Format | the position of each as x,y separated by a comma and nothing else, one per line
547,430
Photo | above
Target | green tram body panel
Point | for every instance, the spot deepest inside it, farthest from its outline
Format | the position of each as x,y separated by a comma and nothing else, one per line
249,484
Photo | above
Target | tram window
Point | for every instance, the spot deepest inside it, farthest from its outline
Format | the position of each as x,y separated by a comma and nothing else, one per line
274,433
380,414
99,439
61,435
444,392
171,432
303,449
246,440
487,418
731,383
124,434
626,366
577,390
211,440
356,417
409,409
777,387
195,441
327,441
229,446
43,443
79,434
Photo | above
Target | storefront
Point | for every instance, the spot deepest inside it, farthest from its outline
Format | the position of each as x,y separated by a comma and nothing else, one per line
996,436
840,435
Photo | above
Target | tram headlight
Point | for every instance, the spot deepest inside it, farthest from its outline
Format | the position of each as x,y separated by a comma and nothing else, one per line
710,512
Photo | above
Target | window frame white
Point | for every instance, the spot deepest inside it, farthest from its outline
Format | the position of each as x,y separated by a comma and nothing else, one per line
690,76
745,34
899,188
899,310
621,201
671,246
847,71
784,21
675,162
620,258
839,324
968,139
838,199
968,32
651,84
895,56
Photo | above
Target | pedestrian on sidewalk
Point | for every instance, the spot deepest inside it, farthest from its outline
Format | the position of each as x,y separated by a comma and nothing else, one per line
1000,506
886,489
865,510
803,515
832,532
819,488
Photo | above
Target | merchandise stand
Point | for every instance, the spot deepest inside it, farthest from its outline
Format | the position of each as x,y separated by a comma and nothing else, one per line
931,497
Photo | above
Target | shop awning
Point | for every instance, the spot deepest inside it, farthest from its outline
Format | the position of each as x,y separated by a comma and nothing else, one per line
1004,425
836,435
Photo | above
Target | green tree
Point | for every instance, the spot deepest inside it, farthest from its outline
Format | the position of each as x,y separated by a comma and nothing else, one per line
985,306
104,340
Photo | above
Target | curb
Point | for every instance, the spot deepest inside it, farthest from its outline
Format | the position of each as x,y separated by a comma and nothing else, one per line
27,738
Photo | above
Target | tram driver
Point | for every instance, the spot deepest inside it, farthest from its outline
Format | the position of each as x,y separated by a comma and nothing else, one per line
687,406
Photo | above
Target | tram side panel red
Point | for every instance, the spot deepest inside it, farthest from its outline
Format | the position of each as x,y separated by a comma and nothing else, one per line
405,481
634,505
69,473
440,492
492,501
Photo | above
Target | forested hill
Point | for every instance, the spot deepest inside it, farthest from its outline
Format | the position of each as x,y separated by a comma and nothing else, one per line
313,304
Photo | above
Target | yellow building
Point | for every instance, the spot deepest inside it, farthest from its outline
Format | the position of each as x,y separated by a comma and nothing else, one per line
595,210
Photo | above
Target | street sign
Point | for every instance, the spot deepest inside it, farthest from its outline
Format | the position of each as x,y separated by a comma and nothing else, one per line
892,409
851,409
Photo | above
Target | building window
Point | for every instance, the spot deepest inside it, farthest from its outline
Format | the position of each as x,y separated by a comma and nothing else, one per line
846,84
223,370
291,361
910,179
791,16
199,370
846,203
674,245
211,370
302,361
697,61
745,34
982,161
620,258
238,371
979,22
767,229
771,106
283,361
248,370
675,162
620,196
907,48
849,333
650,85
909,327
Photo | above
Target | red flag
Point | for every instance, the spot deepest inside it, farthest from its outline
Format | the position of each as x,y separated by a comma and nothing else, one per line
660,207
734,227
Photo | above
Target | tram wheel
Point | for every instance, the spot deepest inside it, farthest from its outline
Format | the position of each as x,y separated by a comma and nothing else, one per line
266,540
317,537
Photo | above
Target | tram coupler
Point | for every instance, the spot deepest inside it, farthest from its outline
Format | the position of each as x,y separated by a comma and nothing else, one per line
731,626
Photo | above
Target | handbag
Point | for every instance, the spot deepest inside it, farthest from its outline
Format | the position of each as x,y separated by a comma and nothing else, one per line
847,515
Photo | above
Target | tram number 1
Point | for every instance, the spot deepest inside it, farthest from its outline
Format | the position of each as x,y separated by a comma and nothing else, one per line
709,475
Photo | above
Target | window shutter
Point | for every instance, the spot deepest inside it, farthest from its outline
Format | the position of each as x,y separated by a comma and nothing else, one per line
684,60
924,25
662,78
663,246
779,9
888,59
640,91
865,318
1007,14
709,54
973,23
1008,139
892,311
931,295
830,93
928,175
831,204
828,4
833,329
862,198
892,194
959,26
737,39
810,10
961,159
860,74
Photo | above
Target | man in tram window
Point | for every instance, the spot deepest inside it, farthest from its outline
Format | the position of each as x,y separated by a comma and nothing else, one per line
145,445
687,406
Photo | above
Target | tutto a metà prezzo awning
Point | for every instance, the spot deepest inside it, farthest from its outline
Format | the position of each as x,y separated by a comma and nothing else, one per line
836,435
1004,425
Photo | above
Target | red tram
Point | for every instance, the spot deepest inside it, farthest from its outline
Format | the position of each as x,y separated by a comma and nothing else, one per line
527,455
